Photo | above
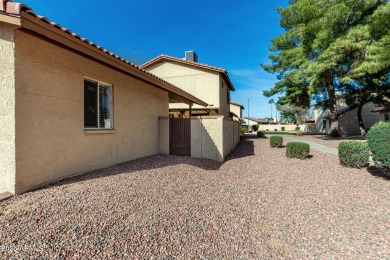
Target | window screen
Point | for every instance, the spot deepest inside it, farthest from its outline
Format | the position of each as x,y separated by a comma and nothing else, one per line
97,105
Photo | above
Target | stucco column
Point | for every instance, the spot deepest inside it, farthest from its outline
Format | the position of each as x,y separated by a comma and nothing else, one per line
7,109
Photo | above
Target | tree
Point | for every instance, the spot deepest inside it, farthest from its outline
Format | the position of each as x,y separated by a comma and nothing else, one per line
327,46
299,114
271,101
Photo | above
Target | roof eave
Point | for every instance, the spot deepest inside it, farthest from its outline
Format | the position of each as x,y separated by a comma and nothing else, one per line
77,43
10,18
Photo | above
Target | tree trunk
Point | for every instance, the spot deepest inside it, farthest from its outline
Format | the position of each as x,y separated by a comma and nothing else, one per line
332,107
360,119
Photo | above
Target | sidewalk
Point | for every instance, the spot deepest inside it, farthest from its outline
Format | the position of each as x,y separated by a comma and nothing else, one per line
313,145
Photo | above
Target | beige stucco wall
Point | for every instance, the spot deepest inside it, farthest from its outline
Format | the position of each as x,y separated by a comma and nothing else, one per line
213,137
236,110
7,109
203,84
50,139
231,133
347,123
291,128
224,104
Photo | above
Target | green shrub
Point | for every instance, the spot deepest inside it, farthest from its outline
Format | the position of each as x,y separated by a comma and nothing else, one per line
266,130
354,154
243,130
379,142
276,141
283,128
300,133
276,130
298,150
255,127
260,134
297,128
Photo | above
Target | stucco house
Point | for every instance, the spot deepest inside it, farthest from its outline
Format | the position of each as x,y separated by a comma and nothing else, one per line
347,121
384,112
208,83
236,110
67,105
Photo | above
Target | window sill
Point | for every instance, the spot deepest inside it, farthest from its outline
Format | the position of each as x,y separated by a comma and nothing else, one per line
99,131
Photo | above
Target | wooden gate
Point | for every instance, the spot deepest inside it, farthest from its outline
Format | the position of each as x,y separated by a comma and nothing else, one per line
180,136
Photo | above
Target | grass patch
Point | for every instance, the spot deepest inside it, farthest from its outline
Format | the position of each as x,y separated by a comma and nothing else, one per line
279,133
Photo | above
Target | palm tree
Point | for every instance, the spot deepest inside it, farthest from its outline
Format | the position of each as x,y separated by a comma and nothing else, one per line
271,101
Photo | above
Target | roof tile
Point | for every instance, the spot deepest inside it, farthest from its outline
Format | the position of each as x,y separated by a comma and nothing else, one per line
10,7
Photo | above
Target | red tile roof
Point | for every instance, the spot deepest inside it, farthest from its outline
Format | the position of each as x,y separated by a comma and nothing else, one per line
163,57
7,7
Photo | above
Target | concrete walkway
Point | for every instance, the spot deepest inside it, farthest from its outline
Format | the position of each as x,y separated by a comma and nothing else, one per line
313,145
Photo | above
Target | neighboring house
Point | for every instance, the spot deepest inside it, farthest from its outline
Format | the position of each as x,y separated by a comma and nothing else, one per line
384,112
254,121
347,118
236,110
68,106
208,83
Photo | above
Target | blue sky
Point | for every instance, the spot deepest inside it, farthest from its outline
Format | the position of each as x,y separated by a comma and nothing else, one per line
231,34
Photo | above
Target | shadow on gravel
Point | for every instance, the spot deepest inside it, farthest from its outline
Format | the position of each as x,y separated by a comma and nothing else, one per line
243,149
380,173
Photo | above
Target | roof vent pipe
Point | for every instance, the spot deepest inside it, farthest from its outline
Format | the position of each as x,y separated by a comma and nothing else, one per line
191,56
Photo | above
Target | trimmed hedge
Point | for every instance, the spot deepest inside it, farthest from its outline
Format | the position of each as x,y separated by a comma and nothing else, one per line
276,141
260,134
297,128
379,142
298,150
255,127
354,154
283,128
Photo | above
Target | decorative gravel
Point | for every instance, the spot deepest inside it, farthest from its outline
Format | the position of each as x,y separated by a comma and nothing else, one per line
258,204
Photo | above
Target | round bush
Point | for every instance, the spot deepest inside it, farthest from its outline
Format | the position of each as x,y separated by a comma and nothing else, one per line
260,134
354,154
298,150
276,141
255,127
379,142
297,128
283,128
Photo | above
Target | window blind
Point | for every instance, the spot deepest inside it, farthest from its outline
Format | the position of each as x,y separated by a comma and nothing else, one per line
90,104
97,105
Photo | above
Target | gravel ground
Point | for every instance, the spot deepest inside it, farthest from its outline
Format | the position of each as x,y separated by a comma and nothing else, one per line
258,204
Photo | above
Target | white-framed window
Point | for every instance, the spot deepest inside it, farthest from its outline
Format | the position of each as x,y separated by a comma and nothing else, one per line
98,106
387,117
